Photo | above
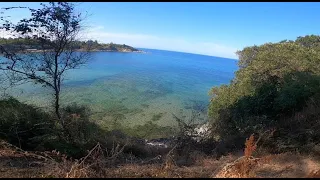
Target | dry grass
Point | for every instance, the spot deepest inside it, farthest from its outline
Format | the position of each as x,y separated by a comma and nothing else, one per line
15,162
242,167
314,174
286,165
202,169
250,146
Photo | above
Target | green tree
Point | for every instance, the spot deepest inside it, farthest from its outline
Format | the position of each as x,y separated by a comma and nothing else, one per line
54,28
274,83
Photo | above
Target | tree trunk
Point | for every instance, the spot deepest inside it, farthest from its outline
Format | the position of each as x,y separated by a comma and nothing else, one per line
57,93
66,133
57,107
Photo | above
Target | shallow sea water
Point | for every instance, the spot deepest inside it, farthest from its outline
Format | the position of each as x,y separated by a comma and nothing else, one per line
134,88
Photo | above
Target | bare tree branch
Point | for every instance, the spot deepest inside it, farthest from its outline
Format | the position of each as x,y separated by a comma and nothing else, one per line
52,30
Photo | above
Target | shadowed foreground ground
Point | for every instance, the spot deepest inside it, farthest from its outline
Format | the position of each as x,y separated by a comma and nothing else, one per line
18,163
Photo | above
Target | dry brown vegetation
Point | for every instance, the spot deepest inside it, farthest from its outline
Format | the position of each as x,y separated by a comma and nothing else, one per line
14,162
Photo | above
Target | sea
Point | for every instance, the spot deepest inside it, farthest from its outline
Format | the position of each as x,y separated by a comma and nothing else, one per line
134,88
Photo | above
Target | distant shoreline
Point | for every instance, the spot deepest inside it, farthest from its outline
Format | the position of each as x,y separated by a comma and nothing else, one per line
98,50
83,50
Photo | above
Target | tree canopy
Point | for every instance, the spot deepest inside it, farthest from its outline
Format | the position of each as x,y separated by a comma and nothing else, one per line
275,82
54,27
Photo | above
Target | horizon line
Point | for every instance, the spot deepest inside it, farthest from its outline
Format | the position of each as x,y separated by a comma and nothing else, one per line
186,53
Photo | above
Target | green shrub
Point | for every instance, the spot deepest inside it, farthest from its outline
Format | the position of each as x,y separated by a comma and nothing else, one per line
84,133
24,125
275,83
31,128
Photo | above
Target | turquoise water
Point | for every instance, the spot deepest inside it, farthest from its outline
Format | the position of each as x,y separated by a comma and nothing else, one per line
132,88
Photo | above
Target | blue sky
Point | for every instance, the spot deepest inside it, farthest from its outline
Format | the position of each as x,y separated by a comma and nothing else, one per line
210,28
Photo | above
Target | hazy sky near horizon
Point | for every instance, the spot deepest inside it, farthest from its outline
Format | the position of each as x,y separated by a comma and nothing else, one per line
209,28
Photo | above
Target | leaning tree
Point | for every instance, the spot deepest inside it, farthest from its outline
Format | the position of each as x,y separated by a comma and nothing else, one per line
53,31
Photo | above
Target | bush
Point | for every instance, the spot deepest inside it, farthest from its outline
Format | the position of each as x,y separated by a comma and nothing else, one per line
24,125
275,88
84,133
31,128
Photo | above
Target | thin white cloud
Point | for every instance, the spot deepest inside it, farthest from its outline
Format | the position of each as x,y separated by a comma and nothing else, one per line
156,42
